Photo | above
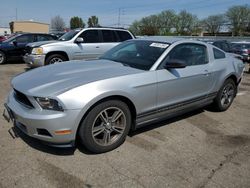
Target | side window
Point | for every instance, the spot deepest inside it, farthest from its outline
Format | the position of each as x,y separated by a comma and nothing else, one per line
218,54
109,36
90,36
124,35
42,38
189,53
25,39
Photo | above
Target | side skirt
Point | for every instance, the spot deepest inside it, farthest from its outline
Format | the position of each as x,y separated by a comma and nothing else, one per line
173,110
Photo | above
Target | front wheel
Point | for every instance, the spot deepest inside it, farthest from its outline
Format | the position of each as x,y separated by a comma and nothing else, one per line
225,95
105,127
55,58
2,58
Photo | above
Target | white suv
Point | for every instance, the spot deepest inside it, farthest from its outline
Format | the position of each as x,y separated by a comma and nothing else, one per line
89,43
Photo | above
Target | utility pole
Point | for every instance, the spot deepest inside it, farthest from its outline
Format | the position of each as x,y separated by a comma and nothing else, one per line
119,17
16,14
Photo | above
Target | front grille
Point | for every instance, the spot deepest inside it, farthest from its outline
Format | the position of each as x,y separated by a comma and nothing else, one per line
27,50
23,99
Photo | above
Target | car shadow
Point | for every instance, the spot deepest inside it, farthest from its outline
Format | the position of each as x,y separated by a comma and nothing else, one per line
166,122
38,145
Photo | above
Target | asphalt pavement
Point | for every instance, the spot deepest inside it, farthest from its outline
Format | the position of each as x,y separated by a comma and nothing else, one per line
199,149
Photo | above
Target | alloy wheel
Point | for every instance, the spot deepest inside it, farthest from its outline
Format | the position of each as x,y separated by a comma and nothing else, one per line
55,60
1,57
227,95
109,125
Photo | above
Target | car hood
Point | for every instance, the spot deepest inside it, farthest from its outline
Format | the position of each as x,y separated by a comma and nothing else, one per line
37,44
54,79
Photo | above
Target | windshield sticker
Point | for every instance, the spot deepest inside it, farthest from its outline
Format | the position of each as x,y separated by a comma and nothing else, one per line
159,45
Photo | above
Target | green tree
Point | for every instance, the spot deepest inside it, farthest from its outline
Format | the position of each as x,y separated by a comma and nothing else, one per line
93,21
76,22
213,24
163,24
238,17
185,23
135,28
166,21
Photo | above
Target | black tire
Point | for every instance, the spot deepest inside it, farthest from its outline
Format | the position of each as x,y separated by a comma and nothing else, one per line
52,59
227,94
94,143
2,58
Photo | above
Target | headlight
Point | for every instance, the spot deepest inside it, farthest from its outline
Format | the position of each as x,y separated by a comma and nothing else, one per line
37,51
49,104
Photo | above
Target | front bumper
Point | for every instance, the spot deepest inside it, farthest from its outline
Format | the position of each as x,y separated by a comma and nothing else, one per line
34,60
43,124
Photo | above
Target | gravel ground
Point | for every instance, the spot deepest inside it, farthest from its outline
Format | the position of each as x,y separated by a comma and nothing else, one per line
199,149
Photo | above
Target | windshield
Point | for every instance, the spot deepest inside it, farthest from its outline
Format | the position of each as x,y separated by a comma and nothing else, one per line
69,35
11,37
139,54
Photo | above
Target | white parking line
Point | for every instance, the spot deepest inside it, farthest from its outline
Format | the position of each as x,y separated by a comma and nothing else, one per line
241,93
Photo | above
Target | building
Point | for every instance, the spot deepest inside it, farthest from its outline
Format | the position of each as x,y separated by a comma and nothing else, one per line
29,26
4,31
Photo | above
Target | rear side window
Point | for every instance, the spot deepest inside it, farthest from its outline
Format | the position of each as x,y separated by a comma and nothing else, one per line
218,54
44,37
109,36
124,35
25,39
90,36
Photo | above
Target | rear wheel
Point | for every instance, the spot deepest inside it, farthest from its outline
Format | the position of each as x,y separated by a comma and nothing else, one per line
55,58
225,95
105,127
2,58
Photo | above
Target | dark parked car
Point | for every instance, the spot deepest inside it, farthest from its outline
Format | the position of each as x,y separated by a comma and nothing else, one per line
242,48
2,38
222,44
13,47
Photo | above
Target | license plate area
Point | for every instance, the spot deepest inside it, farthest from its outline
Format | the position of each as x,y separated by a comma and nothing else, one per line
8,114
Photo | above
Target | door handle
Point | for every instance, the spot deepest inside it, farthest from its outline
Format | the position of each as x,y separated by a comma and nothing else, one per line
97,47
206,73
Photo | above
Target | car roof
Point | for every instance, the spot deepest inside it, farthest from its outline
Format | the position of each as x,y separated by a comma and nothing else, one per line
169,40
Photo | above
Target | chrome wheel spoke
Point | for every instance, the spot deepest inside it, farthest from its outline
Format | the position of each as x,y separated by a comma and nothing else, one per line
117,114
230,92
223,100
98,130
106,137
104,116
118,129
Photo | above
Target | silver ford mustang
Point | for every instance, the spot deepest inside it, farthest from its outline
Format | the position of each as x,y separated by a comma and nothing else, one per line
133,84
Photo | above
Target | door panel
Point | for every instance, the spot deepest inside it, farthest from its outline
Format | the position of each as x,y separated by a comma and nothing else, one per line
179,85
18,44
183,84
90,48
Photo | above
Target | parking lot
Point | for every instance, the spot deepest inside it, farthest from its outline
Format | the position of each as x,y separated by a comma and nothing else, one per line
200,149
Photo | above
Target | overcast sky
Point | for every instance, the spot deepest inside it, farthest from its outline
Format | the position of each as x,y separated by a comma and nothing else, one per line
106,10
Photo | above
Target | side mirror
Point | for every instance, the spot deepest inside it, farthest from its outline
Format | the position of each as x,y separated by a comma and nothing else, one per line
15,43
79,40
175,64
